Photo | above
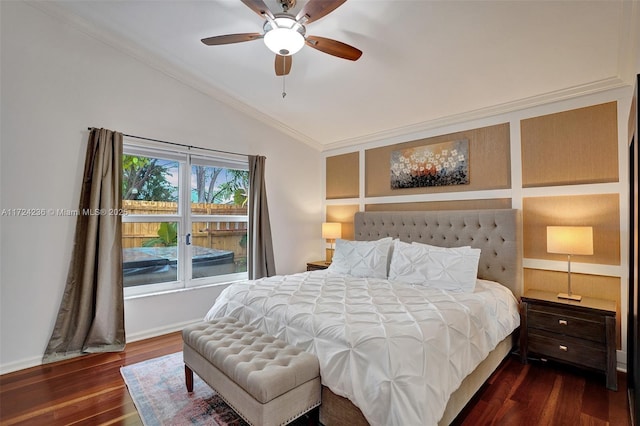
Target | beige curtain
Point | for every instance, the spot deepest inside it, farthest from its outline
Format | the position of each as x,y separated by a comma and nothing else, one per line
91,314
261,261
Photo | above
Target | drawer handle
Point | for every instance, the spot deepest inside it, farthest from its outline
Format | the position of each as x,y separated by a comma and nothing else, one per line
563,348
562,322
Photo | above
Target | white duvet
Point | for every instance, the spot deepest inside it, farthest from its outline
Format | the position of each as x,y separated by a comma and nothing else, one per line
396,350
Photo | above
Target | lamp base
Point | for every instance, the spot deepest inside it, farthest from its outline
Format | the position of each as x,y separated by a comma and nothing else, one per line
328,256
575,297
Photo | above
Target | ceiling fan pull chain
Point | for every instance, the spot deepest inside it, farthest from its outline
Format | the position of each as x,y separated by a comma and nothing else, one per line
284,92
284,66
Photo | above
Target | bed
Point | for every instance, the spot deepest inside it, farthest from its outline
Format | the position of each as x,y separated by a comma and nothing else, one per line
374,327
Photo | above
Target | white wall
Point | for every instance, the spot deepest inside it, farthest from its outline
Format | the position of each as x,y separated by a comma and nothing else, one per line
57,81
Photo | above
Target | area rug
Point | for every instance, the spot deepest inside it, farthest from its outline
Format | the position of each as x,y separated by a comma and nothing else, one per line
158,390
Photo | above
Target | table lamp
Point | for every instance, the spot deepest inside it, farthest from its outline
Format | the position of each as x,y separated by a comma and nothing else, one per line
331,231
570,240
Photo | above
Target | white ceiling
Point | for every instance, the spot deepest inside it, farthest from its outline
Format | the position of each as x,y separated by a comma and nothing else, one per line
424,63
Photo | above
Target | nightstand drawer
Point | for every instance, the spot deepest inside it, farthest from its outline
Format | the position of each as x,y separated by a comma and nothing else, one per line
568,349
580,333
546,318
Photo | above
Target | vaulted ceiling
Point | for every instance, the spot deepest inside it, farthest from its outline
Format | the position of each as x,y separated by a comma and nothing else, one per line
424,63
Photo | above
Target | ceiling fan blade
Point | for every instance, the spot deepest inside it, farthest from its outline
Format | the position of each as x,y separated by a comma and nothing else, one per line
334,47
316,9
231,38
283,65
258,7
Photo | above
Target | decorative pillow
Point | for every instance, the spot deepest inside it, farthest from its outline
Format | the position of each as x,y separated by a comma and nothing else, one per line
453,269
366,259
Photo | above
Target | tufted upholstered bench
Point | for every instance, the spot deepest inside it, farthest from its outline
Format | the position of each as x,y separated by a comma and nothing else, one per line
264,379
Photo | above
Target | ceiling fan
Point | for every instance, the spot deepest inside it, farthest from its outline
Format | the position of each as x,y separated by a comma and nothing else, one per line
285,34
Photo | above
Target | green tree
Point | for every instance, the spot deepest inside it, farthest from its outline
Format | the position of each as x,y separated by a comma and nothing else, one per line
146,179
235,189
231,191
204,191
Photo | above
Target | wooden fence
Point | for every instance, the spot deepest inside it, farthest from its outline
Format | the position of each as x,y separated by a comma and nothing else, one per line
220,235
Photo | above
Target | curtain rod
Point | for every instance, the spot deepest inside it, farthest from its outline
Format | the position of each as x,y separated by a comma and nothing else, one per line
177,144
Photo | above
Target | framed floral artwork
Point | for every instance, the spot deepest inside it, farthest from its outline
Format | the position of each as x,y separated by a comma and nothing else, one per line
440,164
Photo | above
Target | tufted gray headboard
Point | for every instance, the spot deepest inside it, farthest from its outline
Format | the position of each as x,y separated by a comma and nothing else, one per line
496,232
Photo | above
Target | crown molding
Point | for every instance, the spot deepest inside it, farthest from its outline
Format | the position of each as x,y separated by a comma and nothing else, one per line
482,113
188,78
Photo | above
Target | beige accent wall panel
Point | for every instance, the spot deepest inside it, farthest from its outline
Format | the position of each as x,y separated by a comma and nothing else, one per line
602,211
489,163
570,148
496,203
598,286
343,174
344,215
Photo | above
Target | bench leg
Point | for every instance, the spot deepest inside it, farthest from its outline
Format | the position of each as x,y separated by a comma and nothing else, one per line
313,417
188,377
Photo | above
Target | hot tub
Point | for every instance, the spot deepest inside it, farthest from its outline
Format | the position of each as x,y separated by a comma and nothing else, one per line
150,265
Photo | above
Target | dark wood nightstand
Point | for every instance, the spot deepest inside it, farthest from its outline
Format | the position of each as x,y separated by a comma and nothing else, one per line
579,333
317,265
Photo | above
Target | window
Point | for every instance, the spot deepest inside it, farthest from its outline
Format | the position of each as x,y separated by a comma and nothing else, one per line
186,222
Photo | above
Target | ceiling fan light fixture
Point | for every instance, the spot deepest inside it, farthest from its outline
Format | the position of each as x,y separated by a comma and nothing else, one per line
284,36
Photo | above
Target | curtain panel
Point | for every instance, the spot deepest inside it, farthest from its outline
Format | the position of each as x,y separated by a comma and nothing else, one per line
261,262
91,314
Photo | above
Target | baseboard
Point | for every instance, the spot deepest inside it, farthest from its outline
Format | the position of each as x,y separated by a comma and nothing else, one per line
133,337
621,357
155,332
21,364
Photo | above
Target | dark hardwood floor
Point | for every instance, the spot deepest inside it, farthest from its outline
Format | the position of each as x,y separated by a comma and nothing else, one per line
541,393
83,391
90,391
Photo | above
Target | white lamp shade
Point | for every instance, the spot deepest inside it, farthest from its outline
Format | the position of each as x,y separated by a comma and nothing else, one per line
331,230
570,240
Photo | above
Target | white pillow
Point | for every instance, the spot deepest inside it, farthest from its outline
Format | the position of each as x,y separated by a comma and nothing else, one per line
453,269
366,259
